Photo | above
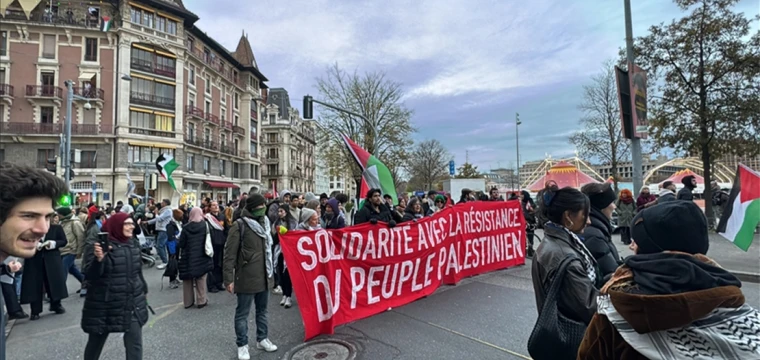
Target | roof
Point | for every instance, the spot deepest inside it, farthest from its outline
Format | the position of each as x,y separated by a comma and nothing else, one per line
175,7
243,53
223,52
679,175
564,174
280,97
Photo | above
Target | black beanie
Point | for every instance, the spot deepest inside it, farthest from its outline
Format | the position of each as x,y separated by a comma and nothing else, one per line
671,226
603,199
253,201
63,211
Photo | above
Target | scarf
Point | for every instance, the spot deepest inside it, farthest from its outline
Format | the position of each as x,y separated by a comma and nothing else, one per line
265,233
215,223
587,259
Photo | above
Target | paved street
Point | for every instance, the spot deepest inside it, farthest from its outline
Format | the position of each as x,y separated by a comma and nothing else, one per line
489,316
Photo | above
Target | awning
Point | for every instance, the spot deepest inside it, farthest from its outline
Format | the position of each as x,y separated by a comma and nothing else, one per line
86,75
221,184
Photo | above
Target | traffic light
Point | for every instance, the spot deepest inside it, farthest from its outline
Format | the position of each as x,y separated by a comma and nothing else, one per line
65,201
52,165
71,173
308,107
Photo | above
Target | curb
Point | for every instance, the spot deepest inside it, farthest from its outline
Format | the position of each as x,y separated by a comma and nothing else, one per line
746,276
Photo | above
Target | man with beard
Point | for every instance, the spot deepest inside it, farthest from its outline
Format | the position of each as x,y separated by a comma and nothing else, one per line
374,210
689,184
27,196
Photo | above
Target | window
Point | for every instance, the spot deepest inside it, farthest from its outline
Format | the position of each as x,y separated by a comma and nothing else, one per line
165,65
171,26
206,164
191,99
46,114
253,148
147,19
223,140
190,162
208,84
48,46
208,107
223,94
223,115
191,75
151,124
235,120
222,167
145,153
43,155
91,49
237,101
2,77
136,15
235,170
191,43
3,43
207,135
161,23
2,156
190,131
88,160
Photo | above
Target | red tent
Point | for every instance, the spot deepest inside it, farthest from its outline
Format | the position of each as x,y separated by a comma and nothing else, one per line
679,175
610,180
564,174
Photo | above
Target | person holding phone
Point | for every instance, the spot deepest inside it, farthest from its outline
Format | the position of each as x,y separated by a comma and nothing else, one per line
116,288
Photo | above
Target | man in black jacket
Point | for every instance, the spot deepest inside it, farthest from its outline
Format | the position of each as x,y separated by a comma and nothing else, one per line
598,236
374,210
667,193
689,184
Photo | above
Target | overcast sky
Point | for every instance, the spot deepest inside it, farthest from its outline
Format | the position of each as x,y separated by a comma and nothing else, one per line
467,66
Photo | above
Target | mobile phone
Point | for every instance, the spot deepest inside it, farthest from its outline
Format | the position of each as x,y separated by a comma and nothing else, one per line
103,241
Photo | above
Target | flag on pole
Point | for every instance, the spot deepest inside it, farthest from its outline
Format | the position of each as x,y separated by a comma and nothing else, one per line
130,187
166,165
375,175
105,24
742,213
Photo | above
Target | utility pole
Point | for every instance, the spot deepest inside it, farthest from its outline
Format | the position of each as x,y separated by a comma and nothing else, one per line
67,135
638,182
517,144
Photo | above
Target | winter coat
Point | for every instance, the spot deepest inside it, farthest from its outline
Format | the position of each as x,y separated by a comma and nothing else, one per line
685,194
643,200
218,237
577,297
338,220
625,212
46,264
247,258
665,323
598,240
74,231
193,261
368,212
666,195
409,215
116,289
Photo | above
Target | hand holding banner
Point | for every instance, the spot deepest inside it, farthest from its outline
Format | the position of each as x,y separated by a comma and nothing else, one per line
345,275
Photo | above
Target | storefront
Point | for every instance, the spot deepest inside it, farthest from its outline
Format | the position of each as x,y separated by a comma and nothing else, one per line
221,191
82,193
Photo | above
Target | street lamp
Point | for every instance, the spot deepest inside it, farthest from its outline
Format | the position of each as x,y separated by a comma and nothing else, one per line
517,142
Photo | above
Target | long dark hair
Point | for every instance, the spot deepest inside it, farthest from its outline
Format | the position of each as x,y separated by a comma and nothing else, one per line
556,201
288,216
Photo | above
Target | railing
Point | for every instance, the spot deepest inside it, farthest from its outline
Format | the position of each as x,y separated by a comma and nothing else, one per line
151,100
254,115
6,90
194,111
43,18
27,128
239,130
151,132
46,91
265,172
254,156
244,153
191,139
227,125
275,140
212,118
216,64
164,70
91,93
229,150
270,159
210,144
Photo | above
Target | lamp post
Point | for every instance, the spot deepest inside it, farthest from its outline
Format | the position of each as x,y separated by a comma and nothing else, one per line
638,182
517,144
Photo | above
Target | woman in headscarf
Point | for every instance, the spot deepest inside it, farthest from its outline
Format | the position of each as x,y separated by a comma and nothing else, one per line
215,219
284,223
194,264
116,297
626,209
645,199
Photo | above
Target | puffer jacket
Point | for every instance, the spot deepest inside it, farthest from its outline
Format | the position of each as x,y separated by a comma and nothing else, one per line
577,297
193,261
116,289
598,240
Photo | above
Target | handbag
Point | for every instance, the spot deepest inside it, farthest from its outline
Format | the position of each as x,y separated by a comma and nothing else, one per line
556,336
208,247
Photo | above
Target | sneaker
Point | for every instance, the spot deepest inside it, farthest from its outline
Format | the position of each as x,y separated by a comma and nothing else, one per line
243,353
288,303
173,285
282,302
277,290
266,345
161,267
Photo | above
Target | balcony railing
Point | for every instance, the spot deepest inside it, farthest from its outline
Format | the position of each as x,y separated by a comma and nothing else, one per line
91,93
254,115
194,111
44,91
151,100
227,125
216,64
151,132
229,150
210,144
164,70
239,130
266,172
37,16
191,139
212,118
27,128
271,159
6,90
152,67
254,155
253,136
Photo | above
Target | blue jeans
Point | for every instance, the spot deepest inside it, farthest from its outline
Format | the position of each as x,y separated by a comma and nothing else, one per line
243,309
161,239
70,267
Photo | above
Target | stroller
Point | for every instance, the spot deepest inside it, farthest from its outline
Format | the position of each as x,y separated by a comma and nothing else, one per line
147,243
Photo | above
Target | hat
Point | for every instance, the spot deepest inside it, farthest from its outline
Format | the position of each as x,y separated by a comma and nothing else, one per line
63,211
603,199
306,214
323,196
91,212
309,196
253,201
671,226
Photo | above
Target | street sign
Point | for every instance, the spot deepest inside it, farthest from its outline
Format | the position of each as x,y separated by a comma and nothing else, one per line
451,167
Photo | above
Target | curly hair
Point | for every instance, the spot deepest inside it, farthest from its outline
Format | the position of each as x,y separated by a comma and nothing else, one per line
21,182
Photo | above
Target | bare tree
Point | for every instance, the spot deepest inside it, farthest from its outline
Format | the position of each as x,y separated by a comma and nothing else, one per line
379,100
428,164
602,135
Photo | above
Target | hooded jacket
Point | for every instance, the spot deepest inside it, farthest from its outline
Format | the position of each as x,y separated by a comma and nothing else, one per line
75,236
338,220
666,195
598,240
248,255
686,192
695,314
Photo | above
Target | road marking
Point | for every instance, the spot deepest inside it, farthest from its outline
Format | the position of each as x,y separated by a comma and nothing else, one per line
497,347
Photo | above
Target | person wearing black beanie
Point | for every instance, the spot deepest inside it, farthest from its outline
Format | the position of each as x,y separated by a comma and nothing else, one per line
689,184
598,235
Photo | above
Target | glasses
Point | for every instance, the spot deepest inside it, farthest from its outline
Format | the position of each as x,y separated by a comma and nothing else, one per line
129,224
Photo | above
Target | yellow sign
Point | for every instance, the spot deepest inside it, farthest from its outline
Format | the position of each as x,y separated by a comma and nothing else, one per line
188,198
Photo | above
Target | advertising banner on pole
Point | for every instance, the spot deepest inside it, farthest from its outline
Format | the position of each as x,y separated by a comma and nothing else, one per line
340,276
638,83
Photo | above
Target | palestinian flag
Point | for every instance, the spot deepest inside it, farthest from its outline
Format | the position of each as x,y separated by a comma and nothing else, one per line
166,165
375,175
105,23
742,213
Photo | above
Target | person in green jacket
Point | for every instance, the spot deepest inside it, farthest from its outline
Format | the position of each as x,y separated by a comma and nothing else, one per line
626,209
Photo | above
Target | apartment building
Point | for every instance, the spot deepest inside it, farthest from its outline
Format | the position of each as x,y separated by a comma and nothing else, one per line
288,144
146,81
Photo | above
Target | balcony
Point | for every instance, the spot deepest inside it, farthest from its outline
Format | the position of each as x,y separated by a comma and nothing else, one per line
39,17
193,140
228,149
210,145
212,118
44,92
6,93
227,125
91,93
192,111
216,63
267,172
238,130
154,68
151,100
272,140
272,159
28,128
151,132
254,115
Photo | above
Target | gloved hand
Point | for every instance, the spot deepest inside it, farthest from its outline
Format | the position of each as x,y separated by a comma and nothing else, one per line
40,245
50,244
373,221
391,224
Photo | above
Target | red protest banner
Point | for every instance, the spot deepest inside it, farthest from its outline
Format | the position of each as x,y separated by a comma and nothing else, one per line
345,275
